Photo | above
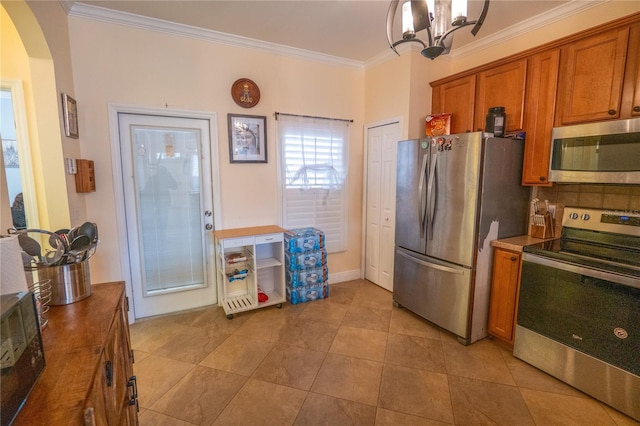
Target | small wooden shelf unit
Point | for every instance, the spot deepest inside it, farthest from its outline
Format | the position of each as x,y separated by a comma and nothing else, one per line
250,261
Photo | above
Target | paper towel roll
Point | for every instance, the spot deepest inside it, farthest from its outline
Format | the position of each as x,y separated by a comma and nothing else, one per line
12,275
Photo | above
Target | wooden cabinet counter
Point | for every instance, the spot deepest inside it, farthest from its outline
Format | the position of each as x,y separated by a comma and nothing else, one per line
505,286
87,379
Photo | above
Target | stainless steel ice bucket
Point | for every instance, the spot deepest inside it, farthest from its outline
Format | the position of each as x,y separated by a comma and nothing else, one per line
69,283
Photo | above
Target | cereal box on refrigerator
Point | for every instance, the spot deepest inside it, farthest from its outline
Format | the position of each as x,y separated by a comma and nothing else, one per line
438,124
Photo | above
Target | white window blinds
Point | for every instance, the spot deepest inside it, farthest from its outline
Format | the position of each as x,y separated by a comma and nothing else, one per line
314,175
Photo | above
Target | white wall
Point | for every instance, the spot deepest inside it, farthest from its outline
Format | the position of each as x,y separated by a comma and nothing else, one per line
114,64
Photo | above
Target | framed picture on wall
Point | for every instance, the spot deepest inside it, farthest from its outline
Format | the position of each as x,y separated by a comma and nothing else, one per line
70,113
247,138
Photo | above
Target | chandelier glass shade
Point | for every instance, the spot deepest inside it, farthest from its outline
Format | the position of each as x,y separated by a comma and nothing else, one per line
438,18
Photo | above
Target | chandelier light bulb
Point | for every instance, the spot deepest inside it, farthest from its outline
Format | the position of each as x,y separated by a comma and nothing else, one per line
458,12
407,21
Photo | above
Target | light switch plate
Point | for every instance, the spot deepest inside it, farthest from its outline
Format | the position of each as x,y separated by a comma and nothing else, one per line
70,166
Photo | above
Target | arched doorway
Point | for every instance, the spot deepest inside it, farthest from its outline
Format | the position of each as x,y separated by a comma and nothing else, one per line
25,58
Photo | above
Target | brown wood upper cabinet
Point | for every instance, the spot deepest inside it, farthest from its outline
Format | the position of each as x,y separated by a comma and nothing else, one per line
456,97
469,98
542,80
590,76
598,72
503,85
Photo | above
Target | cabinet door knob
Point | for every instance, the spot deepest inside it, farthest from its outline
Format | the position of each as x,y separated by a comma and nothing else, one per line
636,108
611,112
513,258
208,227
542,178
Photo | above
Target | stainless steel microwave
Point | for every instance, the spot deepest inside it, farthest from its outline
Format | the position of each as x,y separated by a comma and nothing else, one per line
602,152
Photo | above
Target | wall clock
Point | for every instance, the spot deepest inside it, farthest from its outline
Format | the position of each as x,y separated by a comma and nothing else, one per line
245,93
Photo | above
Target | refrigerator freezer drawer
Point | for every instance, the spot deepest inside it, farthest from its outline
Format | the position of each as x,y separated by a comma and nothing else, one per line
437,291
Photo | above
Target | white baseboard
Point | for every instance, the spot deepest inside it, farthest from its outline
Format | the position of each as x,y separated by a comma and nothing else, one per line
340,277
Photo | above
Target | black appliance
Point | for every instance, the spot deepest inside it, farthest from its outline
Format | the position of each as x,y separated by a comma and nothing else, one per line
579,306
22,352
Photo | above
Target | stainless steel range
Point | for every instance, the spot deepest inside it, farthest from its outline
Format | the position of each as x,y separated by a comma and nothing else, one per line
579,306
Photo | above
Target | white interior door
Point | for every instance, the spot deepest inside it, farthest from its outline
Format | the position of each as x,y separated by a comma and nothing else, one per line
381,204
166,167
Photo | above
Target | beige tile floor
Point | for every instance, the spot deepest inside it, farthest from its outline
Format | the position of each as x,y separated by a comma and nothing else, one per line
350,359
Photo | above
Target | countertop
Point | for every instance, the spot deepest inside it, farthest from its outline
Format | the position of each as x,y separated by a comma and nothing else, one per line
517,243
246,232
73,341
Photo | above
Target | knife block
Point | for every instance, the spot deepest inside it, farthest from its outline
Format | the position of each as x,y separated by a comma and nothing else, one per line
538,231
543,231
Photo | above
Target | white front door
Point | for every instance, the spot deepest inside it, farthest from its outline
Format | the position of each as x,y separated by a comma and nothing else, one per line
166,167
381,204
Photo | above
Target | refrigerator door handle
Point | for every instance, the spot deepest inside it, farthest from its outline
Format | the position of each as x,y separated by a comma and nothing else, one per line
422,208
431,195
431,265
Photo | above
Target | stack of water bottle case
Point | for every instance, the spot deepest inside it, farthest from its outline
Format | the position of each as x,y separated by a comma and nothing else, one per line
305,257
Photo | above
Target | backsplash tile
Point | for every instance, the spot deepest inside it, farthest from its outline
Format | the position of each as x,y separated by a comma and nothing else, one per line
615,197
619,197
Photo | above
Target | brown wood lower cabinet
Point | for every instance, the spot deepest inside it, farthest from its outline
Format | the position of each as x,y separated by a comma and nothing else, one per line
88,378
504,294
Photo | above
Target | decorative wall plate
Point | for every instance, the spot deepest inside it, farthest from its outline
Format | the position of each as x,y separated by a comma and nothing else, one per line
245,93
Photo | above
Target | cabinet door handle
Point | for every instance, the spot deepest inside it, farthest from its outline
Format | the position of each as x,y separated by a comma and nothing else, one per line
611,112
542,178
513,258
108,371
132,384
636,108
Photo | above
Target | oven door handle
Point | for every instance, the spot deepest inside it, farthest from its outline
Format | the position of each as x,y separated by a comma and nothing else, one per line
577,269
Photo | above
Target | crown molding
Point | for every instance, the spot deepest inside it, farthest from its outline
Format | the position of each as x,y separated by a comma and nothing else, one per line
528,25
389,54
81,10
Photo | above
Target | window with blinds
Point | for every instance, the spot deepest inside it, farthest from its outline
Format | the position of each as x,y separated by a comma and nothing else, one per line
314,174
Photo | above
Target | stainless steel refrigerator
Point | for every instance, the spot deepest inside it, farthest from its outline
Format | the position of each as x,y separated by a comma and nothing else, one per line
455,194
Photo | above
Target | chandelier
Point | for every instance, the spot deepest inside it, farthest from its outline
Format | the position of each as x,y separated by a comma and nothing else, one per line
440,18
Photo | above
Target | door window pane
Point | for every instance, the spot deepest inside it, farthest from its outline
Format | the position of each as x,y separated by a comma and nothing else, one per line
167,175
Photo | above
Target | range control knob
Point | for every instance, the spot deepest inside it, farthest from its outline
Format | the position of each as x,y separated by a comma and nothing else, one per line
573,216
586,216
